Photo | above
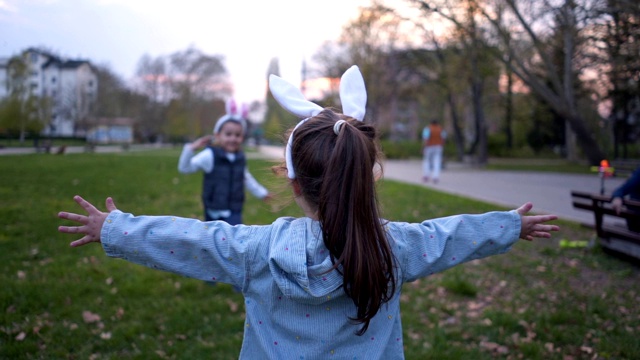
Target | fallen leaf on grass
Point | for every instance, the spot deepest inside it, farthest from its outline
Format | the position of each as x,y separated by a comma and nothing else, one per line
233,306
90,317
494,347
120,313
586,349
21,336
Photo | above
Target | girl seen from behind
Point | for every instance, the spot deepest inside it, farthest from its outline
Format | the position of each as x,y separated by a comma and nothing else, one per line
326,284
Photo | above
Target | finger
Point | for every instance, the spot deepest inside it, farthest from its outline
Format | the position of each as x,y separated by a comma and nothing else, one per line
545,218
525,208
540,234
85,240
73,217
71,229
545,228
85,204
110,204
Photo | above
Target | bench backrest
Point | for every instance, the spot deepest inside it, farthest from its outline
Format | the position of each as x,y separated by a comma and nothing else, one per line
600,205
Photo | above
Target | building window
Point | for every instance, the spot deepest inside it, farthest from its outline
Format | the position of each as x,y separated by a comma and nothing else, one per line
90,83
34,73
34,57
53,80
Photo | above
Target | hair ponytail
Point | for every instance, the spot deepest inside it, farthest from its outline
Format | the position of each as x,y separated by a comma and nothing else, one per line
335,173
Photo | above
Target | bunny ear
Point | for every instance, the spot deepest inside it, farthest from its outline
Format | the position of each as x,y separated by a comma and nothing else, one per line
291,99
244,110
231,107
353,93
232,113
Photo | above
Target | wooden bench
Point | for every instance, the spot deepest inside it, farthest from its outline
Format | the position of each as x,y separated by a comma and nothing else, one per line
613,235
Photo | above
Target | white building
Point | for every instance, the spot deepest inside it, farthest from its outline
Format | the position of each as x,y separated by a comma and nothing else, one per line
71,85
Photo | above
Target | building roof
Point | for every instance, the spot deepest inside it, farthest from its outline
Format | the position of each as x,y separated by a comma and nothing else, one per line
58,61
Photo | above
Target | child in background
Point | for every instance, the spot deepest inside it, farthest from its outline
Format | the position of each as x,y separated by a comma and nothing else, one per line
224,166
327,284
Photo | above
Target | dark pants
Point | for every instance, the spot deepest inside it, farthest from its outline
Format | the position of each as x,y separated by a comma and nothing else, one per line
234,219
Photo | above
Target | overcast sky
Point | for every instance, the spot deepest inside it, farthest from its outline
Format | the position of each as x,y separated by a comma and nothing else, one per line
118,32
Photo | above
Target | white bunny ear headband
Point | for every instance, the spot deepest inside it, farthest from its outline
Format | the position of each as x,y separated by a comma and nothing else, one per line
353,96
234,114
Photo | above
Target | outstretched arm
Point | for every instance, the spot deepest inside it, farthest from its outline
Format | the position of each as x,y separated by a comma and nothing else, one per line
533,226
91,223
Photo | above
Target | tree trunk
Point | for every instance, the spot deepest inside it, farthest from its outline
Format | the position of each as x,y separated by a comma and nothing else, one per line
455,119
481,127
585,139
509,111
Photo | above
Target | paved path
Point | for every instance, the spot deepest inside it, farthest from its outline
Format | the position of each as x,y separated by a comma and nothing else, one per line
549,192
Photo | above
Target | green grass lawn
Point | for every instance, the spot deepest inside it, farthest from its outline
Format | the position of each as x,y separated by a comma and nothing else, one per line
539,301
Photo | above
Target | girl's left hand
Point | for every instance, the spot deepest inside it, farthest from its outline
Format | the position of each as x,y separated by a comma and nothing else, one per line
532,226
91,223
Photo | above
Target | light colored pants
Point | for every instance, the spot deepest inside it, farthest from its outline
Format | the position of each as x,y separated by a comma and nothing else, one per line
432,161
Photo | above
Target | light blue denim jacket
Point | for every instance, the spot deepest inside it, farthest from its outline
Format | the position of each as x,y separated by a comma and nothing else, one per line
294,308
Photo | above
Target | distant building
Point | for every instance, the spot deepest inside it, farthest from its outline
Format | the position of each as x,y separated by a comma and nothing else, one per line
71,85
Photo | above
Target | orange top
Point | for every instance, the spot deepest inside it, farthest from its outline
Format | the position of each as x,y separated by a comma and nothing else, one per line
435,135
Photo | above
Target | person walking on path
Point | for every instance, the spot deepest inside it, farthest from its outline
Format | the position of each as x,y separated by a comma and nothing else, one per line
327,284
224,167
433,138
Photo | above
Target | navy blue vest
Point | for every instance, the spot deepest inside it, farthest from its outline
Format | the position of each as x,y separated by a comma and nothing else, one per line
223,188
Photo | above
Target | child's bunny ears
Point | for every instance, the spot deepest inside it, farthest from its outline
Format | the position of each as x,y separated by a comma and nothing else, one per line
234,113
353,96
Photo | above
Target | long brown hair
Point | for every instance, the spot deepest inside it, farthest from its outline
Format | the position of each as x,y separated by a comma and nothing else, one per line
336,177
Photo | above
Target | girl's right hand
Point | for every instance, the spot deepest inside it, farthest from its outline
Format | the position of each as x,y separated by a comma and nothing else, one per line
91,223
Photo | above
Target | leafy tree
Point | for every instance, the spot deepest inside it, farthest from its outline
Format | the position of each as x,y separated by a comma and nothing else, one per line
22,111
195,77
112,91
153,83
369,40
619,38
521,38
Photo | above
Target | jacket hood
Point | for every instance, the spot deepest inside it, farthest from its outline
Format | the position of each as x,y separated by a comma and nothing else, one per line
300,262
